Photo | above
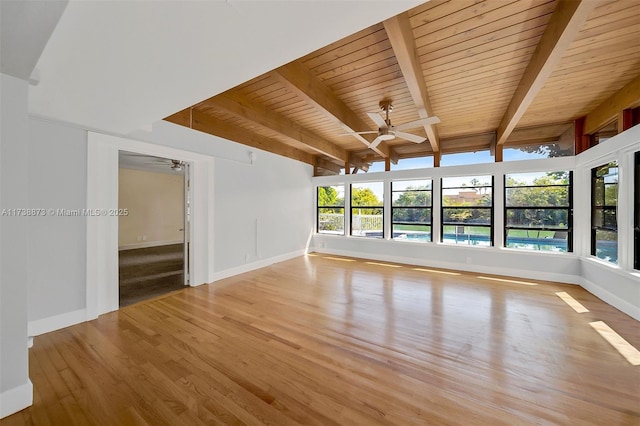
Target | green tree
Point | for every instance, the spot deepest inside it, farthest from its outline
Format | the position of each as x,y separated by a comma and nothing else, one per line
414,197
328,196
364,197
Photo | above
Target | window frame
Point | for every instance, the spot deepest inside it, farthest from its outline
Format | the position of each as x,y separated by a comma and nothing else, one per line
429,208
569,209
594,209
490,208
351,207
318,207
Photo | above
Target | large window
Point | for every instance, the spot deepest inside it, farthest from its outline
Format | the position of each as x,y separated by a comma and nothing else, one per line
604,202
367,210
467,214
411,210
331,210
636,227
538,210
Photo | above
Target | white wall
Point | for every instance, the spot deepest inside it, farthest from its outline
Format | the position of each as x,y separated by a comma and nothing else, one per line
57,182
262,212
15,386
267,206
154,204
618,285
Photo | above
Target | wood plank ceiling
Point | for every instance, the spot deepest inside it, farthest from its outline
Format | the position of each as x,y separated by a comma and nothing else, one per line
497,73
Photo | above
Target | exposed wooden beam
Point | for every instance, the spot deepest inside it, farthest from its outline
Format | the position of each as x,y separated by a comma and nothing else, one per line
300,81
566,20
403,44
581,140
624,98
183,118
468,143
271,120
328,165
347,164
625,120
197,120
498,153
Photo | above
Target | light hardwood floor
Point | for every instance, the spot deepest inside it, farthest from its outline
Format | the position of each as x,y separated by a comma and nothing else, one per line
327,340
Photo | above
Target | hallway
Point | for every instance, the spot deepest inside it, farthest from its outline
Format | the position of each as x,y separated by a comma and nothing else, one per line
150,272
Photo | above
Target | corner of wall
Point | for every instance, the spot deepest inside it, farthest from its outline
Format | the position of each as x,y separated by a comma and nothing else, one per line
16,399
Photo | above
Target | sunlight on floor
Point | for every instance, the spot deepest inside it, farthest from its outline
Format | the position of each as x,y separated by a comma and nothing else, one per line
577,306
383,264
339,258
626,350
436,271
506,281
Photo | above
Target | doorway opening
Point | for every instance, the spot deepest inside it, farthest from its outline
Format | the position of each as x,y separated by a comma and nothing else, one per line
153,226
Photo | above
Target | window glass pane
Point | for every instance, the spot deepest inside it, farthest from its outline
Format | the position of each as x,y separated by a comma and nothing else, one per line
367,209
538,211
467,201
367,194
331,210
467,191
541,196
540,189
606,245
411,210
538,218
406,185
466,158
413,233
471,235
604,223
331,196
543,150
331,221
411,215
466,216
531,239
413,163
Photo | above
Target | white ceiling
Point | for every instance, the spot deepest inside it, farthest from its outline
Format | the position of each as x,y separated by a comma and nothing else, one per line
118,66
25,28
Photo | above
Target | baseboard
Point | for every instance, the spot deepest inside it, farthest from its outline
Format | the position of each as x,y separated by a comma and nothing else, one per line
613,300
456,266
256,265
16,399
147,244
56,322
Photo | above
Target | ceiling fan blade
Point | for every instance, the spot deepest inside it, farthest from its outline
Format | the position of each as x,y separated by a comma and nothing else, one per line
410,137
359,133
419,123
376,118
375,142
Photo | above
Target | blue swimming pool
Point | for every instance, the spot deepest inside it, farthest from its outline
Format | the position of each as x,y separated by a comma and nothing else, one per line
607,250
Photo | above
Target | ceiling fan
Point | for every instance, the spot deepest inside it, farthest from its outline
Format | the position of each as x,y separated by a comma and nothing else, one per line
175,165
387,131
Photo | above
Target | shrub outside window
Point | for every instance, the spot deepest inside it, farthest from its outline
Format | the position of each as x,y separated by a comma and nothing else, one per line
411,210
604,204
467,212
538,211
330,215
367,209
